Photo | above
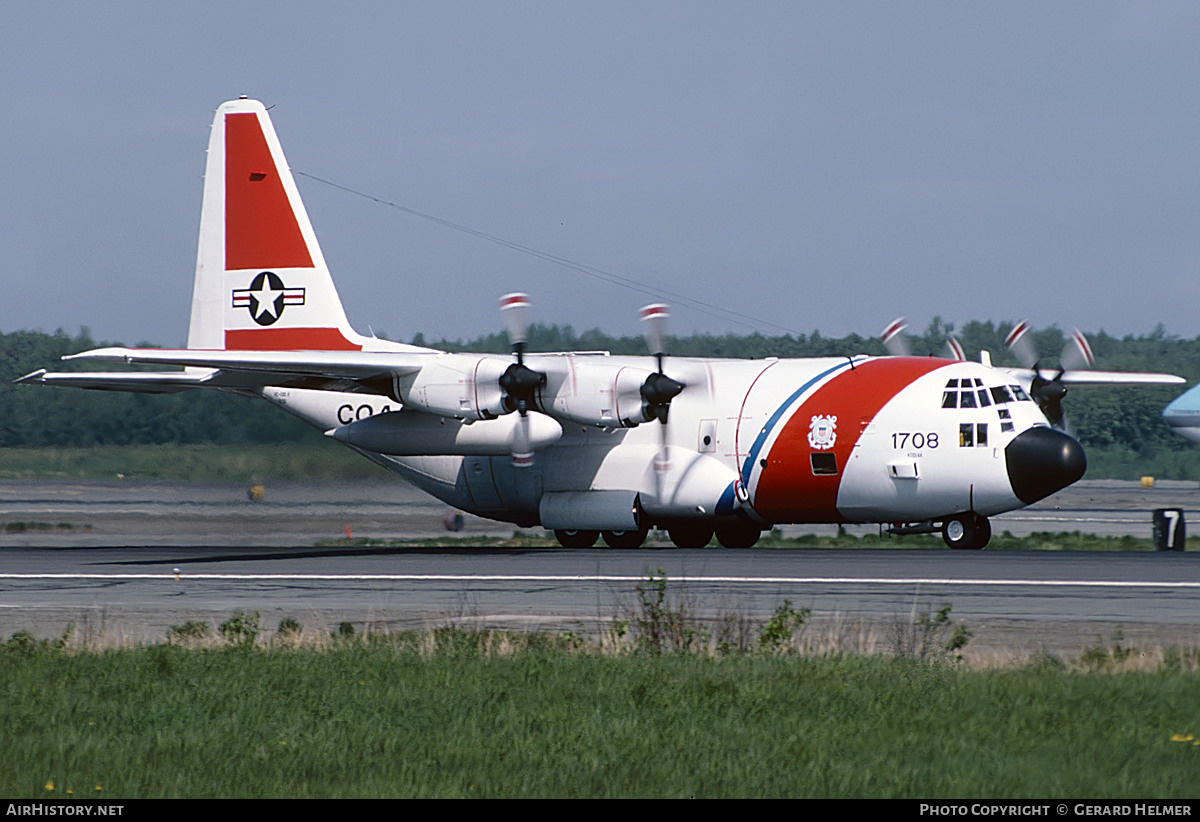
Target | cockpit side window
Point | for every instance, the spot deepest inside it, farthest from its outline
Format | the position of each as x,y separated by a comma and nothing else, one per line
1000,394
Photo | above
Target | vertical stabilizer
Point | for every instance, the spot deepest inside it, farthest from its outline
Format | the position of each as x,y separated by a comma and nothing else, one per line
261,280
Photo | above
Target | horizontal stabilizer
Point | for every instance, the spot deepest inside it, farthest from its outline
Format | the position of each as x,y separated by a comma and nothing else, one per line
144,382
272,367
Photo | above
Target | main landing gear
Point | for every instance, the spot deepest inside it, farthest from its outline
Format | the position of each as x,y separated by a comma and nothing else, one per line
969,530
729,535
613,539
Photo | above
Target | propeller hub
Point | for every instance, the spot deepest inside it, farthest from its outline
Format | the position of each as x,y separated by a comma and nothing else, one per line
1048,394
657,392
520,384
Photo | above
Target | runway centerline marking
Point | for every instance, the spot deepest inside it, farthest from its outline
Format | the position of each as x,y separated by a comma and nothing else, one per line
1060,583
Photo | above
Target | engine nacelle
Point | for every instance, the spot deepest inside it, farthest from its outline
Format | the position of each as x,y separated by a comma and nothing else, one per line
592,393
461,386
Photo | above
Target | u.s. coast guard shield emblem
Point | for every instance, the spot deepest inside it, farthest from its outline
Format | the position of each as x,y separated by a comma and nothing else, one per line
822,432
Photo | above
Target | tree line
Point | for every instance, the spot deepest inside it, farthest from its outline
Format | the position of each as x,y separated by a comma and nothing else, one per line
1121,428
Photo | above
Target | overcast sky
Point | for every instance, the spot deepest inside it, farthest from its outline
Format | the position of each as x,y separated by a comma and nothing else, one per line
789,165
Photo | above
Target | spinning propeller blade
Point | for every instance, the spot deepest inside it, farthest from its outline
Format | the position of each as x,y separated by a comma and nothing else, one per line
1047,388
893,337
896,341
519,382
658,390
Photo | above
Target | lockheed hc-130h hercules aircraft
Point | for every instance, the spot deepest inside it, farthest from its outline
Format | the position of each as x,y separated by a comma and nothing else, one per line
586,444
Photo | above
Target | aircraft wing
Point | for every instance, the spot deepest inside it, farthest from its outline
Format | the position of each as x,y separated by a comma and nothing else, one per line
1084,377
1088,377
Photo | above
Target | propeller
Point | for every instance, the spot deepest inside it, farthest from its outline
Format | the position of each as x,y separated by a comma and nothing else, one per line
1078,352
1047,388
895,341
893,337
519,382
658,390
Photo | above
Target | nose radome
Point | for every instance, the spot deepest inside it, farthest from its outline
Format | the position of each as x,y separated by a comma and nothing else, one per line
1041,461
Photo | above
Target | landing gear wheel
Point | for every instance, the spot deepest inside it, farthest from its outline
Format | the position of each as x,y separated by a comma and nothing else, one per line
970,531
576,539
624,539
690,536
741,535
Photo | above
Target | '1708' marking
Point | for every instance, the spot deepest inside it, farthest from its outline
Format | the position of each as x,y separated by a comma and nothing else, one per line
905,439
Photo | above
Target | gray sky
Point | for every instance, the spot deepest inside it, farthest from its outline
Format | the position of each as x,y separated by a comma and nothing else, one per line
809,165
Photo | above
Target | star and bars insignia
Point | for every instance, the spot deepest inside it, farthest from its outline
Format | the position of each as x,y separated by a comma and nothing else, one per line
266,297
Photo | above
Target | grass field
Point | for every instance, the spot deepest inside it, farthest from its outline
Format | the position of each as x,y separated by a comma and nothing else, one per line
457,714
661,705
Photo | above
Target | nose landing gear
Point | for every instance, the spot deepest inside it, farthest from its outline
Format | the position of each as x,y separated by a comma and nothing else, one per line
969,531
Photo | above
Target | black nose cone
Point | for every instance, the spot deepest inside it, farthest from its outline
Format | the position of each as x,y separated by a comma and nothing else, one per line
1041,461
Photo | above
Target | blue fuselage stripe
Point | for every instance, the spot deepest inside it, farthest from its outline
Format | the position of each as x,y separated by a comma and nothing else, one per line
765,432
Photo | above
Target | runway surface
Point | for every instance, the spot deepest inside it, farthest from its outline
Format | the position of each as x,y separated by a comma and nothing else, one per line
122,562
291,514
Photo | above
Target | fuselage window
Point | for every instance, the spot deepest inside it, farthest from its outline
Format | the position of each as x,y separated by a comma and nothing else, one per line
1006,424
823,463
972,434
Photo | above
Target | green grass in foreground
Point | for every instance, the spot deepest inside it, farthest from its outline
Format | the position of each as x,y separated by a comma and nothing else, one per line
457,714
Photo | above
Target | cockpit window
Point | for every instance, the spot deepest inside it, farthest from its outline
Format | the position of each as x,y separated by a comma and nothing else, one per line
971,393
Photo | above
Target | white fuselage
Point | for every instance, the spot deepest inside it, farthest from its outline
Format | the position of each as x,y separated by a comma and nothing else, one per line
884,439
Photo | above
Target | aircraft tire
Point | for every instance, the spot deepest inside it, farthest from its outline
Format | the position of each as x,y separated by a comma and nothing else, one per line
690,536
968,531
576,539
623,539
742,535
